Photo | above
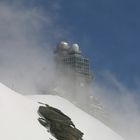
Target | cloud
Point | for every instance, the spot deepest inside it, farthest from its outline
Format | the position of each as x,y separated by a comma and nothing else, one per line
27,37
122,103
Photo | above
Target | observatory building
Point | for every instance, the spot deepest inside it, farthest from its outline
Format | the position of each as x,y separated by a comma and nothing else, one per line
72,65
75,77
71,59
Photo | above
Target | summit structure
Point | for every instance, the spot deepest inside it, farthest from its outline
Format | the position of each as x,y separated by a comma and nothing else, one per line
74,67
71,58
75,77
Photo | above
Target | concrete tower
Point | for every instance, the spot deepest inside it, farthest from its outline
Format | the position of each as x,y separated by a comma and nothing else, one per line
74,67
75,77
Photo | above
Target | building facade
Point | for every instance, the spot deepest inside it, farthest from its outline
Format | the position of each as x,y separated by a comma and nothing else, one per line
75,77
74,67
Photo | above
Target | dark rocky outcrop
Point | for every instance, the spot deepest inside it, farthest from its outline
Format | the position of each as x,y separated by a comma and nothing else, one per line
58,123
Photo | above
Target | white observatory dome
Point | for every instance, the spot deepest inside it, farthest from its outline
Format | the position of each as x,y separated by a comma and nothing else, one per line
63,45
75,48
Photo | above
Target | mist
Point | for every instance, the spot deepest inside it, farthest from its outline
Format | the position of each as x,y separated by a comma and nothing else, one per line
28,37
122,104
26,47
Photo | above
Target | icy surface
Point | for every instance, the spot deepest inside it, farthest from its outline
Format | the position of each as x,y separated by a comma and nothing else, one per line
18,120
91,127
18,117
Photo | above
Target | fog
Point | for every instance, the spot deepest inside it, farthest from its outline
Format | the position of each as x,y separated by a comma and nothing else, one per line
26,48
122,103
27,42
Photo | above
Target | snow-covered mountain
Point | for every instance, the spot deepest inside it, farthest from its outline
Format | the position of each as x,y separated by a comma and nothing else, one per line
18,120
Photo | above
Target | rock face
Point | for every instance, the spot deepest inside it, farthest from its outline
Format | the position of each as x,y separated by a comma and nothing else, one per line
58,123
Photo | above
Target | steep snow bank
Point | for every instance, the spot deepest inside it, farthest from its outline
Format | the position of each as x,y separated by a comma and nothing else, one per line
91,127
18,117
18,120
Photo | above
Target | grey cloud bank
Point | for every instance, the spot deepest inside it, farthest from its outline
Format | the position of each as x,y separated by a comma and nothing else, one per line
24,57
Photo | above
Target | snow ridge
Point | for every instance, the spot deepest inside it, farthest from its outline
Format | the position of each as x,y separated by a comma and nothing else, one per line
19,116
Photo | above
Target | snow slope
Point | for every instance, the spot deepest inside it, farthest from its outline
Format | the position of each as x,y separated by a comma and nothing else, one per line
18,120
18,117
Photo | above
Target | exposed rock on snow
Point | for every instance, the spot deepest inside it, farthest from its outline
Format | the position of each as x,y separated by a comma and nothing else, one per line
90,126
59,124
18,120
